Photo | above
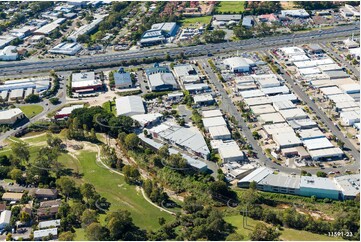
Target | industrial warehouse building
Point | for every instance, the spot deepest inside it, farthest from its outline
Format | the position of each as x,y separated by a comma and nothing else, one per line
213,122
212,113
219,132
85,82
195,163
66,48
10,116
122,79
286,140
339,188
159,33
160,78
238,64
230,153
203,99
189,139
266,80
129,105
65,112
9,53
295,113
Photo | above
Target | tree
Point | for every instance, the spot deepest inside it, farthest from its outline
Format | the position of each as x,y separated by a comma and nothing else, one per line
321,174
121,226
25,217
131,141
253,185
16,174
340,143
131,174
87,190
96,232
32,98
66,236
214,36
66,186
89,216
21,150
264,233
54,100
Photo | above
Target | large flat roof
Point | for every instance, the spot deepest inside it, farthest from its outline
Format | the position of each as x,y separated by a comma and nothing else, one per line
294,113
10,113
219,131
252,93
318,143
311,133
212,113
277,128
257,175
318,183
230,151
214,121
258,101
129,105
283,139
263,109
331,90
271,118
281,181
349,184
326,153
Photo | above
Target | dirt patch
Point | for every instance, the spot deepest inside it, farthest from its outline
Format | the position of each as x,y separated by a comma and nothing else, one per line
283,206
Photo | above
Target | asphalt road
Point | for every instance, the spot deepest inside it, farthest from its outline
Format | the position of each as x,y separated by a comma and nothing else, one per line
340,59
31,66
326,120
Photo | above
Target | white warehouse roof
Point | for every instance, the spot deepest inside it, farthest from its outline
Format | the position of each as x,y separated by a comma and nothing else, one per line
129,105
318,143
263,109
214,121
212,113
295,113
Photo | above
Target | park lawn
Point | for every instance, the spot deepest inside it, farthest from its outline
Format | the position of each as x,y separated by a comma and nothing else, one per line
121,195
286,234
197,20
230,7
110,107
80,235
31,110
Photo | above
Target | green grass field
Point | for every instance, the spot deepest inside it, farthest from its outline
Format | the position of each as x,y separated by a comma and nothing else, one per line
286,234
230,7
31,110
196,21
110,107
120,194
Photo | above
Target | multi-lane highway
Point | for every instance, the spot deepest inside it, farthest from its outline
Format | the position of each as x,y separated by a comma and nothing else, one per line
70,63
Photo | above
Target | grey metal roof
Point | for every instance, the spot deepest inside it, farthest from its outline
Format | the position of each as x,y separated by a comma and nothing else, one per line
281,181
